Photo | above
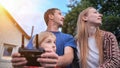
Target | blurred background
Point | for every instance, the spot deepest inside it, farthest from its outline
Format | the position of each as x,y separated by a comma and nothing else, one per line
109,8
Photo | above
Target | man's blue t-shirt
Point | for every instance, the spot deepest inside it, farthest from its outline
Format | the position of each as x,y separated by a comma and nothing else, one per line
62,40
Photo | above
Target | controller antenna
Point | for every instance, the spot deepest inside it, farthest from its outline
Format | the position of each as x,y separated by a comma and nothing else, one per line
37,46
22,41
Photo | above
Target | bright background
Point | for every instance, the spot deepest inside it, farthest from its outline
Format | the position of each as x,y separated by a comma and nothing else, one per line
29,13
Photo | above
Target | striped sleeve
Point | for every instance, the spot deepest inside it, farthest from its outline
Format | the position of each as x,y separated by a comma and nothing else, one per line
111,52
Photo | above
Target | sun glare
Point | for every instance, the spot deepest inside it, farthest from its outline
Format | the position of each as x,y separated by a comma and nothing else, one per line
9,4
5,3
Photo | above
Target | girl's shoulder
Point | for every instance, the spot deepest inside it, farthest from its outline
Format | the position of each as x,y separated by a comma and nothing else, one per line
106,33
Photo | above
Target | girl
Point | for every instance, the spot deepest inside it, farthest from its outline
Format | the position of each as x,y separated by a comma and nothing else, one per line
96,48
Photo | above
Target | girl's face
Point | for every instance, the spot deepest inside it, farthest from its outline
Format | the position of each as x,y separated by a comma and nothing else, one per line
49,42
94,17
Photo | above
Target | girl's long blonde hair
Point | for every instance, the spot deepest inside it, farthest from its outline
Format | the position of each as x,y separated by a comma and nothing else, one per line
82,38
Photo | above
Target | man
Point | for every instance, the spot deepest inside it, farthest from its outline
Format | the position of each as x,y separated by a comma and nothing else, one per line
65,43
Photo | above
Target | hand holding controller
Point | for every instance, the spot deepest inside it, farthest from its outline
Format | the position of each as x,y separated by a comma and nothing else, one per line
31,55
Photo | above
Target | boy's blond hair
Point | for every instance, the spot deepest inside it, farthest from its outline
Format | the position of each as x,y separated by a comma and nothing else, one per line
42,36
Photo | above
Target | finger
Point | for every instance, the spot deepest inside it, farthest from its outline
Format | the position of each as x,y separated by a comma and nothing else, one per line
15,55
48,65
18,59
49,55
19,63
47,60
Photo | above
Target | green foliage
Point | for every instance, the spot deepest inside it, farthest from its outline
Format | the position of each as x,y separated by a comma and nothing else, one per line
72,16
110,23
109,8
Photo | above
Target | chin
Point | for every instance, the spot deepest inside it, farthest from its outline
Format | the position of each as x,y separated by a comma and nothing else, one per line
60,25
98,24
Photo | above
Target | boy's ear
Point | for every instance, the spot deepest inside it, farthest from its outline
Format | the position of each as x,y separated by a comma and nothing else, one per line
51,16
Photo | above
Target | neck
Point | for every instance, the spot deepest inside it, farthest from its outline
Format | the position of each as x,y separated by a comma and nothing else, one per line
91,31
52,27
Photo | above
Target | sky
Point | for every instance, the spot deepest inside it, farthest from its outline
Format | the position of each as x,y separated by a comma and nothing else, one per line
30,13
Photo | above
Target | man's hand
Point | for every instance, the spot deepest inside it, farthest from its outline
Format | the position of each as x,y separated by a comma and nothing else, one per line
17,61
48,59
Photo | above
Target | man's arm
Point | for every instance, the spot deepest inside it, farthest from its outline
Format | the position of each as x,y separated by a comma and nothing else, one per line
67,58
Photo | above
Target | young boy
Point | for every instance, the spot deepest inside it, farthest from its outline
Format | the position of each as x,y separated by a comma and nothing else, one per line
46,40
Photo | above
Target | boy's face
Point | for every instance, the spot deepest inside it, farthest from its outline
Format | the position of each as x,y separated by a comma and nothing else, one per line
49,42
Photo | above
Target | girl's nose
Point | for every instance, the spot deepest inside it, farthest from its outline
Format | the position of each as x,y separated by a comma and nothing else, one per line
101,15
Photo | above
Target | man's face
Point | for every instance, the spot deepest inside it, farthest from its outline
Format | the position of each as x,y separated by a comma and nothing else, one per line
58,18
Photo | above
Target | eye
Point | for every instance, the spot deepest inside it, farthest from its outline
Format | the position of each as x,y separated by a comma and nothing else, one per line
95,12
54,41
48,41
60,14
